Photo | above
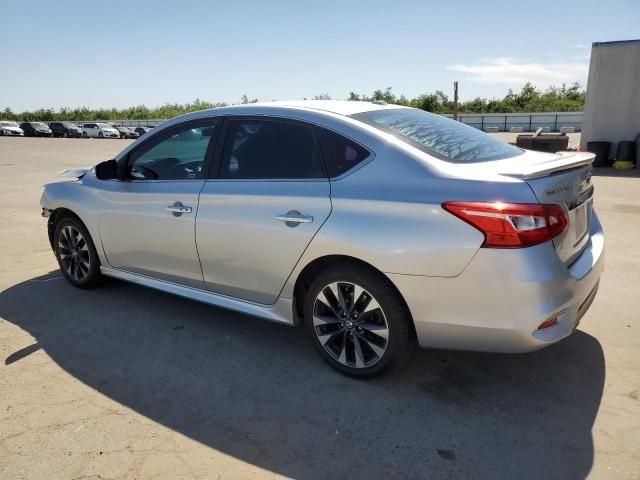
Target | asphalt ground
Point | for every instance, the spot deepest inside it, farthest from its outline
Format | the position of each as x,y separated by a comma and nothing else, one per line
127,382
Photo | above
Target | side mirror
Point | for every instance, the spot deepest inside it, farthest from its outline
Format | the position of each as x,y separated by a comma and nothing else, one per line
107,170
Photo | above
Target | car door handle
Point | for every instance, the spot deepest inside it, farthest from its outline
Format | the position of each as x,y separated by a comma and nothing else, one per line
178,209
294,217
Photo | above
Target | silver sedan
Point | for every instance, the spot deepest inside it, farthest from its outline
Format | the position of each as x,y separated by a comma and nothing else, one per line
375,226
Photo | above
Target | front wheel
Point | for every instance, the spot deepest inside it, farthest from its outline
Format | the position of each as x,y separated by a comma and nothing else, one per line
76,253
357,321
84,134
100,135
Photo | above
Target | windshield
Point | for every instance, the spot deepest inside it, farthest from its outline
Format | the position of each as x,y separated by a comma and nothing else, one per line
439,136
38,125
104,125
69,125
8,124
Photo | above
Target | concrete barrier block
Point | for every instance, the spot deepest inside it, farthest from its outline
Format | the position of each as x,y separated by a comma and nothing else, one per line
491,129
516,129
567,129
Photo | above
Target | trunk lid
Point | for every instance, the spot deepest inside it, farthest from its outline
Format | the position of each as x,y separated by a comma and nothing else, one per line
562,178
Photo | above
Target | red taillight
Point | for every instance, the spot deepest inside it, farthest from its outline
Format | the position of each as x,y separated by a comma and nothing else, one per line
550,322
511,224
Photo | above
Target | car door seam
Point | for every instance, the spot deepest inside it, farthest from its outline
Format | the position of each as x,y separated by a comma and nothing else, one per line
295,266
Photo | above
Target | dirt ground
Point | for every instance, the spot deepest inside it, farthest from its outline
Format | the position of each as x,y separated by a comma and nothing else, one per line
126,382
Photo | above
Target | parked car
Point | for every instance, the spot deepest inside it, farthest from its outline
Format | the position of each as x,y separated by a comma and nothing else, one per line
65,129
10,129
99,130
126,132
36,129
372,225
142,130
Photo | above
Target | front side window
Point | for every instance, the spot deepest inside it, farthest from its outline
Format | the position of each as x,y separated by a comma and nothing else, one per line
177,155
270,149
439,136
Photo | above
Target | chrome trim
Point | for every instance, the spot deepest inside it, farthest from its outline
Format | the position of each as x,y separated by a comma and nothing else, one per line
294,218
178,208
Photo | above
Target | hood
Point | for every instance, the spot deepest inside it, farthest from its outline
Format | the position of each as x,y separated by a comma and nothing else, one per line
75,172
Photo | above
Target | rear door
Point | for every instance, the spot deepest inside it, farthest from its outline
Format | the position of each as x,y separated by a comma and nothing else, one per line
91,129
266,198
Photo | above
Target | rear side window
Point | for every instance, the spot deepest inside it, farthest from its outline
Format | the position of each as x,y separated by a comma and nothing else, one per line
340,153
270,149
439,136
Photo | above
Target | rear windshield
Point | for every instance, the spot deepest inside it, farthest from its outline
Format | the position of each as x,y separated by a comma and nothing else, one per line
439,136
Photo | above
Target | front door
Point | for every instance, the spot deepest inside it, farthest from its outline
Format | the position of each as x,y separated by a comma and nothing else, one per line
147,220
258,216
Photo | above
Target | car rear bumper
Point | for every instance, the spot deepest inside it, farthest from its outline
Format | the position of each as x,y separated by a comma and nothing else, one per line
501,298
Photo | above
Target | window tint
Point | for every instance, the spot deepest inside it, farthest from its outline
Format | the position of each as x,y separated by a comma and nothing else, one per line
439,136
270,149
177,155
340,153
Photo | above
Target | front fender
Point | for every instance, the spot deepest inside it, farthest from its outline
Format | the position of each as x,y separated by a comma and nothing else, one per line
79,198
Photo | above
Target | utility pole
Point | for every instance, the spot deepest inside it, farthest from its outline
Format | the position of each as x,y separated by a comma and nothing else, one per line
455,100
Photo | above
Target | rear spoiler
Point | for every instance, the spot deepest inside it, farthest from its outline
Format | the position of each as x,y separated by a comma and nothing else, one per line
562,161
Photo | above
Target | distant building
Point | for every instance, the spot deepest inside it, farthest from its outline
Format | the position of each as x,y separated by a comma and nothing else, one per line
612,106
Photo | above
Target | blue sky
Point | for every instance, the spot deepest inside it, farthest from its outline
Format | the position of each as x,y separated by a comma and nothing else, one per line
111,53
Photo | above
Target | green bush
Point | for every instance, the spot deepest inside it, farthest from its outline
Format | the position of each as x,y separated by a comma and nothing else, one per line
529,99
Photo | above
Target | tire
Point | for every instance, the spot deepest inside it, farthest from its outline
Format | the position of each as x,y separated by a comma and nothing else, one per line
81,269
65,135
100,135
1,133
84,134
355,345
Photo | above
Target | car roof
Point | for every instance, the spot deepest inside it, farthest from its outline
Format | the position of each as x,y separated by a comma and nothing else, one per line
339,107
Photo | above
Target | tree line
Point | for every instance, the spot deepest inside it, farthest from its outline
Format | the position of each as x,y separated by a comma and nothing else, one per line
528,99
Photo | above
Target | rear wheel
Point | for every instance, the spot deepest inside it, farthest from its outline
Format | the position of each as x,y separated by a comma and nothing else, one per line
100,135
357,321
76,253
84,134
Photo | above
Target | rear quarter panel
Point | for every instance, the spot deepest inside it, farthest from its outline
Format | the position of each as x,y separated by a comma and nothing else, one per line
388,213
